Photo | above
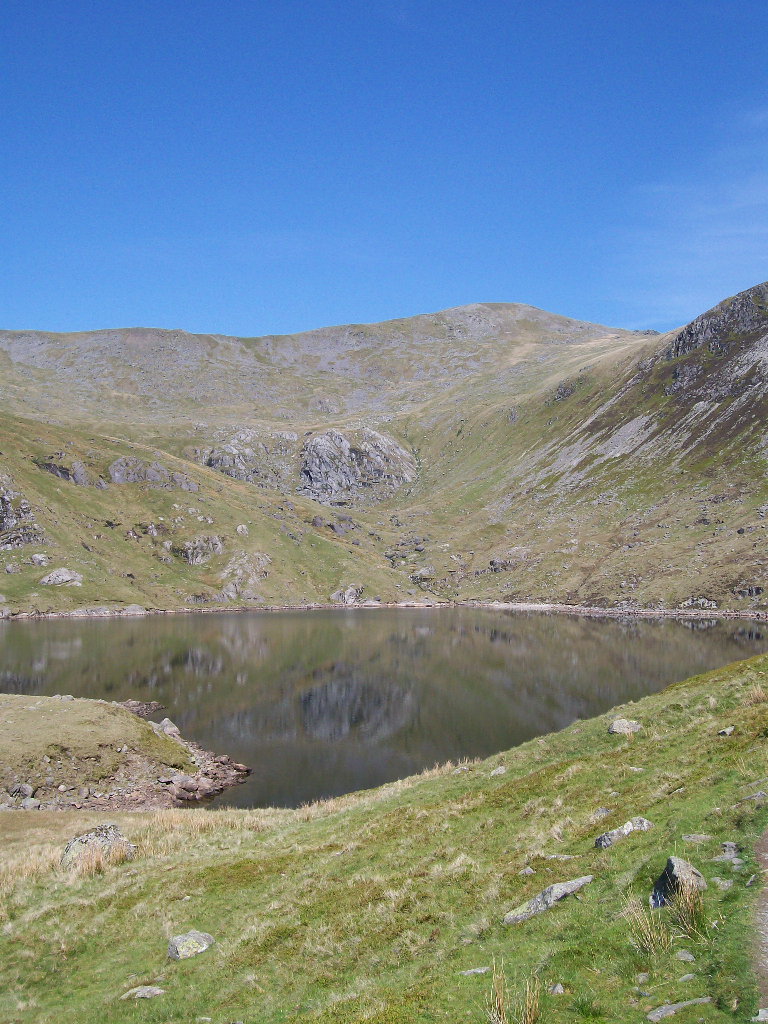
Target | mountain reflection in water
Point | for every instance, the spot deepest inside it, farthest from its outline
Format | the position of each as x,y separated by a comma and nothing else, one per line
321,703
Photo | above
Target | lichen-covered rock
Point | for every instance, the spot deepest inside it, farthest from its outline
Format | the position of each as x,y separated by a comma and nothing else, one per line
676,874
335,468
544,900
623,727
62,577
107,839
180,947
637,824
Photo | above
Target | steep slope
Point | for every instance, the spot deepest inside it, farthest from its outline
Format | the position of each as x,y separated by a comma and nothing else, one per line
487,452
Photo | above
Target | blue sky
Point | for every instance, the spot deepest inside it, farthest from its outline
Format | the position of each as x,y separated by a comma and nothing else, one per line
267,167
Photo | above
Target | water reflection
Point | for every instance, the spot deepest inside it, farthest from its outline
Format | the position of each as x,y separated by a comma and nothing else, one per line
320,703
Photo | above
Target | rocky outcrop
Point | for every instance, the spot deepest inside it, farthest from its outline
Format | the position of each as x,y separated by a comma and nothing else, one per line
337,469
62,577
242,574
199,550
17,523
263,459
75,472
745,313
132,470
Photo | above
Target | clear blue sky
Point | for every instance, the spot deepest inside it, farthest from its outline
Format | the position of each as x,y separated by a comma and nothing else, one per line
262,167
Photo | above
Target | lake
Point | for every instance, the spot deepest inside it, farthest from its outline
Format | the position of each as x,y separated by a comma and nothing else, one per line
324,702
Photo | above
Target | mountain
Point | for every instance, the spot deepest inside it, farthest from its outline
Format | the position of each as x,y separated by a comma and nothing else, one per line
492,452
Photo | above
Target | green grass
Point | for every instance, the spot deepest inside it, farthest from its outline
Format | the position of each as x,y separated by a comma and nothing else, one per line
368,907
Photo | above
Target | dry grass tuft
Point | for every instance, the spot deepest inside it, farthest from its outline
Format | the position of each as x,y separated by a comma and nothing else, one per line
31,865
95,861
527,1006
650,934
497,1003
756,695
687,908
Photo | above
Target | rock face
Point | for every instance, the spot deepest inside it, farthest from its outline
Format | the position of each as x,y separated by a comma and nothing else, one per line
743,314
676,874
104,838
131,470
266,459
17,523
335,469
623,727
637,824
544,900
199,550
180,947
62,577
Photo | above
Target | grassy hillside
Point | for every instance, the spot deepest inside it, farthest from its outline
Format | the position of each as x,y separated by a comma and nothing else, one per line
554,461
371,906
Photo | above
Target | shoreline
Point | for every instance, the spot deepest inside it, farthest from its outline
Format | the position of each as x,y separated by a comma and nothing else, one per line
582,611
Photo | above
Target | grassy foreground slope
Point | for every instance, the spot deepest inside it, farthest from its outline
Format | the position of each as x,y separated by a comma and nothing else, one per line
554,461
370,906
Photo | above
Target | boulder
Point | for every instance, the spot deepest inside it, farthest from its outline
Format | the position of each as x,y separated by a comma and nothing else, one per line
623,727
131,470
180,947
637,824
678,872
62,577
346,595
544,900
30,804
167,727
105,838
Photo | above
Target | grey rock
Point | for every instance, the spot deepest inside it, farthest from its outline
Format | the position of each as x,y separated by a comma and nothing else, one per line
722,883
761,1014
17,523
636,824
544,900
183,482
348,595
169,729
475,970
687,977
500,770
333,467
642,978
105,838
527,870
199,550
30,804
623,727
726,731
180,947
25,790
62,577
685,955
676,873
556,990
742,314
143,992
670,1009
696,837
242,529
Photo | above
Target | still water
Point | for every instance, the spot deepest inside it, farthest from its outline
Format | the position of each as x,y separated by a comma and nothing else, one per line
321,703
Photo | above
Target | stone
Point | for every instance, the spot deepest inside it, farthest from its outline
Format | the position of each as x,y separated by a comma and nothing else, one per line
761,1014
169,729
348,595
722,883
726,731
242,529
61,577
683,954
637,824
475,970
677,872
544,900
670,1009
527,870
39,559
30,804
131,470
199,550
143,992
105,838
687,977
556,990
180,947
623,727
26,790
696,837
642,978
498,771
